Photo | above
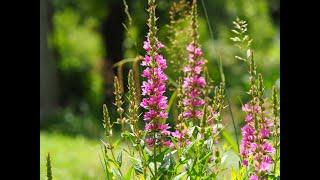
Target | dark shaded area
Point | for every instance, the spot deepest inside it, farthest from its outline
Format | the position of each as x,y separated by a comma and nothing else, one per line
113,32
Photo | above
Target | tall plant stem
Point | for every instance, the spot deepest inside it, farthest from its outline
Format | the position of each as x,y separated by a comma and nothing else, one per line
154,157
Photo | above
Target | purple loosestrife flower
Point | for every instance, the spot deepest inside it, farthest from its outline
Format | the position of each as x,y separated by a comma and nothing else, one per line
153,89
254,141
193,83
181,136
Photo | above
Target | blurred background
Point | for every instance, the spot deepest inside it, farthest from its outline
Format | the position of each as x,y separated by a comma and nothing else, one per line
81,40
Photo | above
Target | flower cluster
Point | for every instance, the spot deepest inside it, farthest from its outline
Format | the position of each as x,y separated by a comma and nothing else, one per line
154,88
193,83
254,144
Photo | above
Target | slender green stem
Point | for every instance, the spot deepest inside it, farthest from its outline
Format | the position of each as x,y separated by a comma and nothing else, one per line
114,159
154,157
233,122
144,160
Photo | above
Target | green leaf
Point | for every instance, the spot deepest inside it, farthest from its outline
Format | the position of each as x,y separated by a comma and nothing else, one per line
138,168
171,81
124,61
160,156
172,98
180,176
116,172
115,144
168,161
128,175
119,159
230,141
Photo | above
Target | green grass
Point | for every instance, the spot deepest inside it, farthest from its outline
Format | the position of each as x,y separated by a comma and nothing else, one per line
77,158
71,157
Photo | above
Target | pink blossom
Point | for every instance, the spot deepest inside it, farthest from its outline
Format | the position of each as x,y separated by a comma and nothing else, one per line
200,62
161,61
187,114
163,128
186,69
256,108
159,45
190,48
146,61
198,113
151,114
246,108
264,133
169,144
149,127
198,69
249,118
146,73
253,147
144,103
177,134
198,52
186,102
265,164
254,177
245,162
201,81
195,93
267,147
197,102
163,115
150,141
146,45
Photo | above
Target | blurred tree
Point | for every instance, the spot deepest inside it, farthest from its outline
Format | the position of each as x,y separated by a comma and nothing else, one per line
48,74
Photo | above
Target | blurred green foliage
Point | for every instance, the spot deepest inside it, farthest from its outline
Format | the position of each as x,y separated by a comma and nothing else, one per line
80,53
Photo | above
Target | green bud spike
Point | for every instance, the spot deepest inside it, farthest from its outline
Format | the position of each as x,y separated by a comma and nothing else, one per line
106,121
133,109
49,171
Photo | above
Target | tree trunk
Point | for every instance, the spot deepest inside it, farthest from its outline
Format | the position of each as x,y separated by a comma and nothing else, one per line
113,37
